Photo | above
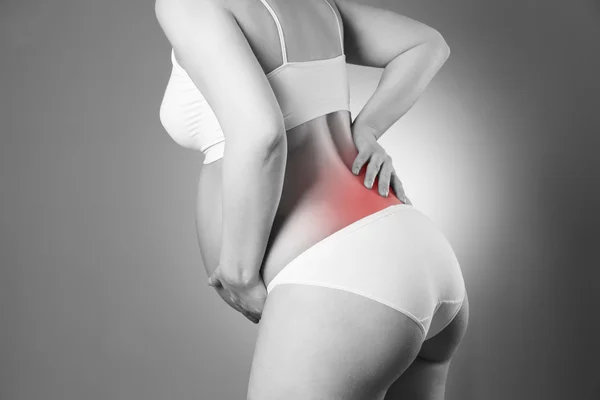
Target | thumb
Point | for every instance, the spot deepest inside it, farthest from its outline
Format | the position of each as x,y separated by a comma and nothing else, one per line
212,280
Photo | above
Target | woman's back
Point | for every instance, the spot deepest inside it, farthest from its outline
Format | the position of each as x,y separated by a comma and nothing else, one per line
320,194
362,289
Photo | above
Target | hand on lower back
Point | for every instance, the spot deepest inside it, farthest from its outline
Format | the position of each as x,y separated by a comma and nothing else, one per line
379,165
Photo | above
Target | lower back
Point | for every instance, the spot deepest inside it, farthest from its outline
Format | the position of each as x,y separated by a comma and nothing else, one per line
320,194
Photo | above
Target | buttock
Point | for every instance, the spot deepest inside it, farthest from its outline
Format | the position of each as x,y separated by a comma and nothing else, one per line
396,256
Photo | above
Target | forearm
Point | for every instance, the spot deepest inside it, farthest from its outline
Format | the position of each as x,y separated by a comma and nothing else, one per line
252,186
403,81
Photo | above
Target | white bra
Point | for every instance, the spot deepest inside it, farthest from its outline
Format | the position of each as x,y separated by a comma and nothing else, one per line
304,90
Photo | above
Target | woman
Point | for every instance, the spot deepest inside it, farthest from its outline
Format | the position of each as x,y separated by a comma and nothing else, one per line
358,294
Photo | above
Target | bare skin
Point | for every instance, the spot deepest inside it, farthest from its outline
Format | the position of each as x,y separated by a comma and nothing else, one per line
316,342
320,195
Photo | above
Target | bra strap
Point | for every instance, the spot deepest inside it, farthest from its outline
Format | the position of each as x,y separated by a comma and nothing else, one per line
281,39
338,24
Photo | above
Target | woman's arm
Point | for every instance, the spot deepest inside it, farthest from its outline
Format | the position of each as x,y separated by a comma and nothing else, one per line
211,47
410,52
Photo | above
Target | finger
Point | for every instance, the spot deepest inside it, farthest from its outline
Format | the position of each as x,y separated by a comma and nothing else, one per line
236,304
246,312
249,310
224,293
373,170
396,184
252,314
256,312
385,176
359,161
214,280
252,318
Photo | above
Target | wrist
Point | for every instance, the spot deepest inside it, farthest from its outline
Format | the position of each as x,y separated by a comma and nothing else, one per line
362,132
239,275
363,137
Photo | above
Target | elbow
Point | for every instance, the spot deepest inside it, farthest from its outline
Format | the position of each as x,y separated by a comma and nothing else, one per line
275,143
264,142
270,136
438,45
267,148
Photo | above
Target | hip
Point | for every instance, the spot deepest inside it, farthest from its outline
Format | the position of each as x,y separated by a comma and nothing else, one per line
399,240
396,256
318,199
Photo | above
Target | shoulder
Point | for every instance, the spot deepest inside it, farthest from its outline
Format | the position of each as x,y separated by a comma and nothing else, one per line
166,10
211,47
200,21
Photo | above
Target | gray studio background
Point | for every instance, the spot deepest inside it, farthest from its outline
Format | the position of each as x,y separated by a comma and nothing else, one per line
102,290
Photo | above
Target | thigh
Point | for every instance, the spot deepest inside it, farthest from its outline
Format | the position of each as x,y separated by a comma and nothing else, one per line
322,343
425,379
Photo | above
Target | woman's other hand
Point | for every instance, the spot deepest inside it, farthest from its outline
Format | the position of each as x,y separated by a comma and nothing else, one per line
379,163
247,296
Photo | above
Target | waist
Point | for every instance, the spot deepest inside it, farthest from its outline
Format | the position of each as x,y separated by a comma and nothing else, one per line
320,195
318,199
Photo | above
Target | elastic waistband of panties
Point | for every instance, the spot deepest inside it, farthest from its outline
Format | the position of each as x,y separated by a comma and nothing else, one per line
345,231
356,225
371,218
